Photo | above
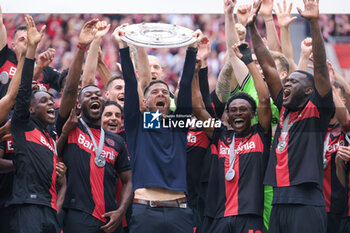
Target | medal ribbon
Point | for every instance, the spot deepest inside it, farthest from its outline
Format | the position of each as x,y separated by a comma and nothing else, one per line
97,149
233,153
347,138
325,162
286,127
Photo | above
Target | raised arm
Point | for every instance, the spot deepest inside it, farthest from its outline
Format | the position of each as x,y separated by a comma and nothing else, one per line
132,98
199,109
243,12
230,30
92,56
321,75
184,100
69,96
284,20
341,79
264,107
271,32
306,50
263,55
203,54
25,89
240,71
43,61
143,69
341,112
3,32
68,126
234,71
103,70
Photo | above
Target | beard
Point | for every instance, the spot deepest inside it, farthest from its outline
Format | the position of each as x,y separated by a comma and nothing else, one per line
87,115
297,100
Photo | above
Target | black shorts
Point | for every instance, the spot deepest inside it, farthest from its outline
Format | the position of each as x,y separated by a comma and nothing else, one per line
76,221
146,219
5,217
298,218
247,223
333,222
30,218
344,225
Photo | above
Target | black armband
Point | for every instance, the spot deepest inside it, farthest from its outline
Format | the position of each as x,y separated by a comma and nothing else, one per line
247,54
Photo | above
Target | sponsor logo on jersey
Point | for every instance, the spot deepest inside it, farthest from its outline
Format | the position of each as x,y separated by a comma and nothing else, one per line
334,147
84,142
224,150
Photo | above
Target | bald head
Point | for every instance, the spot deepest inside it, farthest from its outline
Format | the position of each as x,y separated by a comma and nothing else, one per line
155,67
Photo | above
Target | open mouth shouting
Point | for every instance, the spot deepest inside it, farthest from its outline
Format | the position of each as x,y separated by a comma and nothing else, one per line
238,123
120,98
286,94
95,107
51,113
160,105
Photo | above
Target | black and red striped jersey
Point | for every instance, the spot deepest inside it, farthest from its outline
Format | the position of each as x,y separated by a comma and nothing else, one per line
347,183
244,194
197,146
334,193
90,188
35,158
301,160
8,67
6,179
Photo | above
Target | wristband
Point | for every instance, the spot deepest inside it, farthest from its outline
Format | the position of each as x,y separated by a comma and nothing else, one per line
247,54
82,47
193,49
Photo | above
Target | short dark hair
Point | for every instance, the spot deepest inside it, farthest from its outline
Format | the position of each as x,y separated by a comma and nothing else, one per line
111,102
81,91
62,78
155,82
112,80
309,77
19,28
36,91
337,84
245,96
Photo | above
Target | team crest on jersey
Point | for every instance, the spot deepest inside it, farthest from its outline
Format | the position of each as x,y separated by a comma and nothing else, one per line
110,141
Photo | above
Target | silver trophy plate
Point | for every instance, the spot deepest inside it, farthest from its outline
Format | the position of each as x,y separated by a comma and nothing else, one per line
158,35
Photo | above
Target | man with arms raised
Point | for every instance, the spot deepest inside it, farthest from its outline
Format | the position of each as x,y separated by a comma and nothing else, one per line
295,166
158,156
34,188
